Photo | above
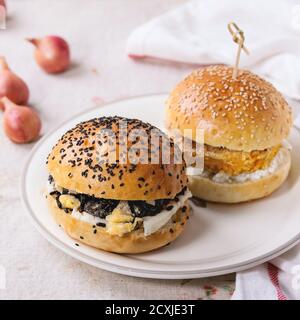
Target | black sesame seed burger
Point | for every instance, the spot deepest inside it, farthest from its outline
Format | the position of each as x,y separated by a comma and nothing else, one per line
245,123
103,198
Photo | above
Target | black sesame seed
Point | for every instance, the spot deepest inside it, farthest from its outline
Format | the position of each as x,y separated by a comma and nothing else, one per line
100,224
85,173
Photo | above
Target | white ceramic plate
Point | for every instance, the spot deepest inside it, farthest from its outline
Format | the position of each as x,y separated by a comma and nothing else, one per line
218,239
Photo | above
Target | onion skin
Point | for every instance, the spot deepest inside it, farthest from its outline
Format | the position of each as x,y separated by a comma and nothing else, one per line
21,124
11,85
52,54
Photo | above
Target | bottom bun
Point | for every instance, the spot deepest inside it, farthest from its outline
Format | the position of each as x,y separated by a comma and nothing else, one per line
133,242
210,190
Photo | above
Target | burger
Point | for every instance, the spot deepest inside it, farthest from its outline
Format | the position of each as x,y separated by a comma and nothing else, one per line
244,121
106,199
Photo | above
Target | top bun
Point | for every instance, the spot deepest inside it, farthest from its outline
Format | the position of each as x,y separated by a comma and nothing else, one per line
79,162
245,114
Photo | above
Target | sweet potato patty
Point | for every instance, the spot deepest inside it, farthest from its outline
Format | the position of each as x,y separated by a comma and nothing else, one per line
237,162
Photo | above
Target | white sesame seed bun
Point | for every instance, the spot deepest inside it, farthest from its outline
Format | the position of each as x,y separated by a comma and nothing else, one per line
133,242
75,164
244,114
209,190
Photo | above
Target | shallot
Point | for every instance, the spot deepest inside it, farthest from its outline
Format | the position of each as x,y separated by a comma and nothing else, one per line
11,85
3,4
21,123
52,53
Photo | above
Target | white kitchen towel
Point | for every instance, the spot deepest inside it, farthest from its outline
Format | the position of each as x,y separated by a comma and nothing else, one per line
197,33
277,280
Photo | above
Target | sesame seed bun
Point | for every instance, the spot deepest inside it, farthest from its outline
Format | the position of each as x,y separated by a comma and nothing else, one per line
77,162
133,242
207,189
244,114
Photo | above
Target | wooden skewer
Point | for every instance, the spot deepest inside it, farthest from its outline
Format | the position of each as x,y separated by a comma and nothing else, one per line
239,38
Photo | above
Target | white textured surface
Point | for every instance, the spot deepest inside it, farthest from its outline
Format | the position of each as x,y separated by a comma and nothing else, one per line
97,31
